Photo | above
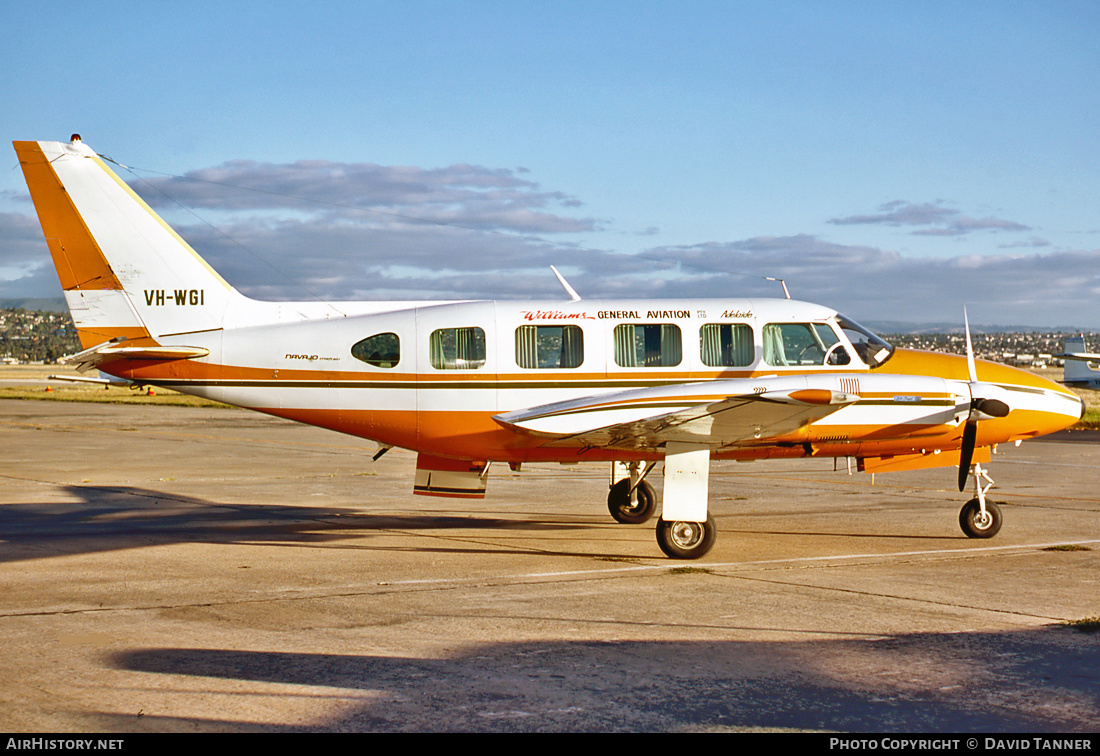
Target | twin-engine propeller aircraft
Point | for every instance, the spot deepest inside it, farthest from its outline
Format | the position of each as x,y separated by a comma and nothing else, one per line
469,383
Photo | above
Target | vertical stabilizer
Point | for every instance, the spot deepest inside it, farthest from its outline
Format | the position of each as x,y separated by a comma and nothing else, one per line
124,271
1077,371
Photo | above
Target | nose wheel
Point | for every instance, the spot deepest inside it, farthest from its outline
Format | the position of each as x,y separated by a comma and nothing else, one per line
980,518
979,523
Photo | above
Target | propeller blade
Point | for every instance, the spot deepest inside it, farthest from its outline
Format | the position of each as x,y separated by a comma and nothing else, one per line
966,451
970,366
980,409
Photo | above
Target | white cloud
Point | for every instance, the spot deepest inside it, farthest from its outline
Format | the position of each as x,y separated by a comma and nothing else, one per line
391,232
467,195
931,218
1054,288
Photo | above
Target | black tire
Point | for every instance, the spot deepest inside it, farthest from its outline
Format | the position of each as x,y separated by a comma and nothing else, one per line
618,502
970,519
686,540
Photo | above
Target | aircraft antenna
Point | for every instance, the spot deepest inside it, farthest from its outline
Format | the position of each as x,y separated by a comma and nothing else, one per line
782,283
573,295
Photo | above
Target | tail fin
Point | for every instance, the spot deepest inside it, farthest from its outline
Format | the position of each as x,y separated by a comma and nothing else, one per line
1077,369
125,273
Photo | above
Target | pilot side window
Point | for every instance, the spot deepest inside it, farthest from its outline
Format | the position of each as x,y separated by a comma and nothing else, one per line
726,345
380,350
549,346
648,345
790,344
457,348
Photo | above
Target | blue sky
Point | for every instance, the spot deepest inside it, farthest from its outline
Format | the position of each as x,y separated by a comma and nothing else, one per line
895,161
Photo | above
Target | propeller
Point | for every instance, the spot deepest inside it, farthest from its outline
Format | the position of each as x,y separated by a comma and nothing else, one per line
980,409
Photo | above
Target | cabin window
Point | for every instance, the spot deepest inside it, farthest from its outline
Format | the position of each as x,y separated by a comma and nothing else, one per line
457,348
790,344
726,345
380,350
648,345
549,346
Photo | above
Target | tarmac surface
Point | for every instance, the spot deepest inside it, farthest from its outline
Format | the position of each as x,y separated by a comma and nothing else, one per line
184,569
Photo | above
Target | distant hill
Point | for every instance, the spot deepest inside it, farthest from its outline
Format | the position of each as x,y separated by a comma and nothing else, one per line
56,304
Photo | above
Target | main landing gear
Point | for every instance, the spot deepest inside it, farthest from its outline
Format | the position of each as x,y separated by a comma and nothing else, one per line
686,540
979,517
632,500
689,531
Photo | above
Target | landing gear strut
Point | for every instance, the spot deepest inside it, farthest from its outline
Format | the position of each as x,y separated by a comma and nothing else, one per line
980,518
686,530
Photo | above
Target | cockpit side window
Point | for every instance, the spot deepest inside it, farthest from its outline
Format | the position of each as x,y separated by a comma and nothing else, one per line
794,344
871,349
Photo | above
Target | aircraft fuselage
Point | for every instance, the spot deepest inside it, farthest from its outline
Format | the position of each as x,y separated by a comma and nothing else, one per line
433,377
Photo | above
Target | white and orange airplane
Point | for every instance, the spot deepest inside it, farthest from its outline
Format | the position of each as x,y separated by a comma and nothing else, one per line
469,383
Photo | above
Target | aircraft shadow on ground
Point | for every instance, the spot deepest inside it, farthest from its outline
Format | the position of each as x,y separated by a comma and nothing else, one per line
1040,680
119,517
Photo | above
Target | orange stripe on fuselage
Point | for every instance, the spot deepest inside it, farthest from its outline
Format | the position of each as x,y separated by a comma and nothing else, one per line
904,362
211,371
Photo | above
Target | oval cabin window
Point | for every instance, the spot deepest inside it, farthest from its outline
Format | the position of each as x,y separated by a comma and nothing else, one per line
380,350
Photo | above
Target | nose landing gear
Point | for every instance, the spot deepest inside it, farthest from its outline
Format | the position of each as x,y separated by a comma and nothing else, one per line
980,518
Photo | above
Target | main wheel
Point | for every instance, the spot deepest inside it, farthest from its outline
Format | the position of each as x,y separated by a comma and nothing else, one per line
627,512
975,525
686,540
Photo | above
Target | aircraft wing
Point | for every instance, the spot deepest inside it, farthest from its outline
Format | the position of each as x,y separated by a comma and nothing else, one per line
736,412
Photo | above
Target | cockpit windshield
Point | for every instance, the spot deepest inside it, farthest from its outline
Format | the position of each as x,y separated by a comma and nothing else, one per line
871,349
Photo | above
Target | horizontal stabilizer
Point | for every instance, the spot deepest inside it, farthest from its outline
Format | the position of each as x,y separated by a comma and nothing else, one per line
97,381
109,352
